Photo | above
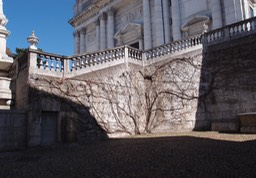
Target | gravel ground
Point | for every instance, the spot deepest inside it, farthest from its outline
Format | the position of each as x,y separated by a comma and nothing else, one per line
195,154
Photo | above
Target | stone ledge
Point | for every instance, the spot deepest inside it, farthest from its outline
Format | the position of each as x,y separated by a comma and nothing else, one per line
248,122
225,125
249,130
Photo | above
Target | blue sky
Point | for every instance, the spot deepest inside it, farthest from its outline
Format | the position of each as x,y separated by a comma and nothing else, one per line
49,19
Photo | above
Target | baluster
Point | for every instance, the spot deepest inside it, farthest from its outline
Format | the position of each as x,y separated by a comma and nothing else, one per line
92,59
238,29
57,67
211,37
113,55
62,65
75,64
71,63
86,57
52,63
107,56
179,46
89,60
148,55
82,62
129,53
46,63
103,57
153,53
168,51
123,52
39,62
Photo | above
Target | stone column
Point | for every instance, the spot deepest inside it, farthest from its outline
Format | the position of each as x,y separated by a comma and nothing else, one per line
159,23
76,42
166,13
5,64
216,14
103,31
111,29
1,7
82,40
141,43
176,20
97,24
246,12
147,25
4,33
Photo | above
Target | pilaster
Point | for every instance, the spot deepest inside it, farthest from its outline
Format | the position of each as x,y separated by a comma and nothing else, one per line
147,25
103,31
77,42
166,13
216,14
159,23
97,25
176,24
82,40
246,13
111,28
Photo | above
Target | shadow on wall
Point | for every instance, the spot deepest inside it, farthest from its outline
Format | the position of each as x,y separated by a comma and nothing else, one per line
228,84
53,119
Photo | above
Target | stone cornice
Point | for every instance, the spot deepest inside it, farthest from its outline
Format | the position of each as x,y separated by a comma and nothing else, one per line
92,10
5,32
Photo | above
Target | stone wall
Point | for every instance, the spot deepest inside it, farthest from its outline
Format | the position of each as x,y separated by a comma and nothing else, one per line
228,85
129,98
13,125
73,122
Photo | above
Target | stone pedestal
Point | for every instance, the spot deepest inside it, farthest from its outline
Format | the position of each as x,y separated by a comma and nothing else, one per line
5,64
5,93
248,122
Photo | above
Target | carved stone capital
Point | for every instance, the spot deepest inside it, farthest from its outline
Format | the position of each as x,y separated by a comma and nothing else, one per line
111,11
102,16
76,33
97,22
83,31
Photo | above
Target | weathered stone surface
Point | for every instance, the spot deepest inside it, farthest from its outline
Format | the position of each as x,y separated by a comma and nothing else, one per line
13,133
230,74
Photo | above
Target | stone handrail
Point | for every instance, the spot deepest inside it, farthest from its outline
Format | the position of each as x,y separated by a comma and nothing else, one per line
231,31
173,47
50,62
43,63
96,58
56,65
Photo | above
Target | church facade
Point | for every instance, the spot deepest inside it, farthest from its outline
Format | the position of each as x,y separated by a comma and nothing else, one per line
144,24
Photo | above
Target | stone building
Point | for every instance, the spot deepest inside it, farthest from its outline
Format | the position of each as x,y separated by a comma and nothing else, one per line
143,24
138,68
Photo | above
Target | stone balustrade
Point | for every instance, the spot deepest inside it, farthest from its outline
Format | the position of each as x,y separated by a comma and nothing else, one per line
59,66
173,47
49,64
232,31
96,58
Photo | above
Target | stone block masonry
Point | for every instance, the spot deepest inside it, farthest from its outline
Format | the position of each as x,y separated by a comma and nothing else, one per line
13,130
229,72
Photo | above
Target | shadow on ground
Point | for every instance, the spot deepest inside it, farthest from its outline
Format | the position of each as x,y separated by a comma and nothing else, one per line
177,156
